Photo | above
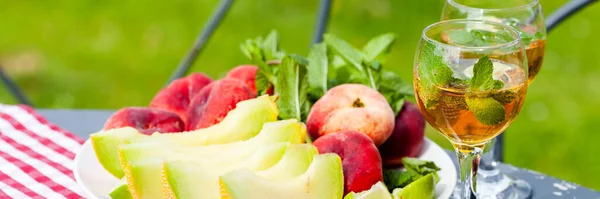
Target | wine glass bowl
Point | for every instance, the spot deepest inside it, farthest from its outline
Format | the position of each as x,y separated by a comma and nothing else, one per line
470,80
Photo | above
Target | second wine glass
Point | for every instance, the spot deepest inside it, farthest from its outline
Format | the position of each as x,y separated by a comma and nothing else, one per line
527,17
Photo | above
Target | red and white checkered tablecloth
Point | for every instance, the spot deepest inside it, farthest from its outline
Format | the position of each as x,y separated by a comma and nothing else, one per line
36,157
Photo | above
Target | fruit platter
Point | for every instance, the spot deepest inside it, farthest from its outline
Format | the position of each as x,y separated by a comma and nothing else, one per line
335,124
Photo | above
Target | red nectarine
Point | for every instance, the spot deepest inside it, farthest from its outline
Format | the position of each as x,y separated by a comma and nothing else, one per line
145,120
361,162
352,107
407,138
214,101
177,96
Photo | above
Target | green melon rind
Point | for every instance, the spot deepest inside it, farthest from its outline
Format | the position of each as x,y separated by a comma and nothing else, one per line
105,146
120,192
422,188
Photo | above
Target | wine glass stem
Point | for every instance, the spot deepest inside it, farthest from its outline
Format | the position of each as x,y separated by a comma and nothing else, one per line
468,162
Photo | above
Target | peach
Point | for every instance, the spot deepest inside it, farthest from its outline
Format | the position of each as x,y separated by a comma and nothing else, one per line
406,139
145,120
352,107
246,74
177,96
214,101
361,162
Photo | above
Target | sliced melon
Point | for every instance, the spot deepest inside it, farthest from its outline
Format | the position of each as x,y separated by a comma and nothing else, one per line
194,179
144,177
377,191
105,146
121,191
323,180
290,131
422,188
241,123
144,160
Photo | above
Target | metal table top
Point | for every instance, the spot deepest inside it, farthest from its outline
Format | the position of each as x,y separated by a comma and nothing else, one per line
85,122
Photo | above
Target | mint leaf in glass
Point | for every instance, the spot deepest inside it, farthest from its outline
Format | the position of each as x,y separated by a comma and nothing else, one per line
433,72
487,110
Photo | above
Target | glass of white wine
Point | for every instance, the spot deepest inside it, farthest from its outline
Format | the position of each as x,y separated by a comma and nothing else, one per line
470,81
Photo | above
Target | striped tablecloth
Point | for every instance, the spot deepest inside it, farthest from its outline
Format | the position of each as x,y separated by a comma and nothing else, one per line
36,157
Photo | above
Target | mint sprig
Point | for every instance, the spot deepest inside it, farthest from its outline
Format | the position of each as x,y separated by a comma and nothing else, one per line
261,52
487,110
415,169
292,86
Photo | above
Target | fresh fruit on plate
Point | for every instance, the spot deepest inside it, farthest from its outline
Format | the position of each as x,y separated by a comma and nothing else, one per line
144,177
377,191
241,123
214,101
406,139
323,180
230,146
246,74
423,188
352,107
142,162
360,158
145,120
194,179
176,97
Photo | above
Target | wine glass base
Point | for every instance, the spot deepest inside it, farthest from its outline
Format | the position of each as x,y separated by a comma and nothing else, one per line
499,186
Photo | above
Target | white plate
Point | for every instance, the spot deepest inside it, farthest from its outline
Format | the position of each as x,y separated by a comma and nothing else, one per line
98,183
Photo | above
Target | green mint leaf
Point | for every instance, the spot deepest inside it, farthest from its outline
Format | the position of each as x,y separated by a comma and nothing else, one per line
482,79
487,110
394,178
504,97
260,51
271,44
394,89
345,50
292,85
262,82
460,37
378,46
421,167
373,69
318,67
433,72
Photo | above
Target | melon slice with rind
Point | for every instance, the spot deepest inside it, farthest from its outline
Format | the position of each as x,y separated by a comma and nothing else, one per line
194,179
142,162
323,180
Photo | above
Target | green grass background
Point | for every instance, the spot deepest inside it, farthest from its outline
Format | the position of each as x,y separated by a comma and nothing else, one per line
115,53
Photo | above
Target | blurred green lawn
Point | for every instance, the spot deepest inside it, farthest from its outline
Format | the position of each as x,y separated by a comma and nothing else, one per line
114,53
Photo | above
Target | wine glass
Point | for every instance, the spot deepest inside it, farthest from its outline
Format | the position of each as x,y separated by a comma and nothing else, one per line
470,81
527,17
